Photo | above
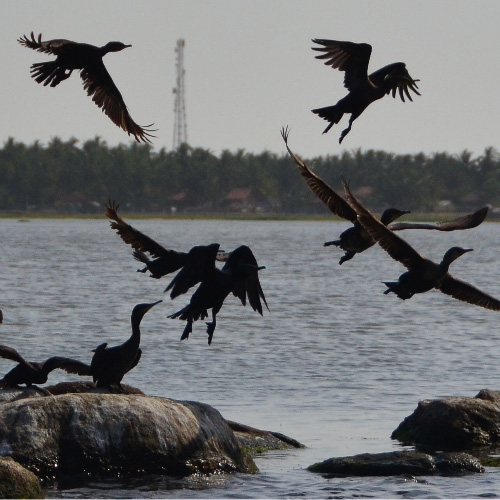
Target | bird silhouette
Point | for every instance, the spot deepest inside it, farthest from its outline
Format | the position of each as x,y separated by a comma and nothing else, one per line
423,274
353,59
97,81
30,373
110,364
356,239
193,264
239,275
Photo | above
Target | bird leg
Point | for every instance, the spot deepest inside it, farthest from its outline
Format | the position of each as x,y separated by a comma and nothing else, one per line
348,129
188,329
211,326
346,256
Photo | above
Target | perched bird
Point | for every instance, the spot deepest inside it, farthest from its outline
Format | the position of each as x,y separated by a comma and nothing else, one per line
110,364
239,275
192,264
353,59
422,274
30,373
356,239
96,79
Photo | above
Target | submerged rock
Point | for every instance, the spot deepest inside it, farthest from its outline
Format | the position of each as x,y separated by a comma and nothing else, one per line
395,463
18,482
454,423
258,441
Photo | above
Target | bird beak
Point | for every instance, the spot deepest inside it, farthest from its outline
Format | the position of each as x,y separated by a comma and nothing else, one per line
153,304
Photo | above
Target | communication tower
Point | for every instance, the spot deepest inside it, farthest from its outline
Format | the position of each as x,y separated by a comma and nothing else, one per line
180,127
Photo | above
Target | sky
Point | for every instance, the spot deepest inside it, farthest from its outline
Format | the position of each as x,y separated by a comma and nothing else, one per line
250,70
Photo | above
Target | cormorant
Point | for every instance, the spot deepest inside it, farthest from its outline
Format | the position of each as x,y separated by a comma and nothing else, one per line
96,79
353,59
166,260
30,373
356,239
422,274
239,275
110,364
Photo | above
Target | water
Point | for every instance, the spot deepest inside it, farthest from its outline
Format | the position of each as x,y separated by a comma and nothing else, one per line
336,364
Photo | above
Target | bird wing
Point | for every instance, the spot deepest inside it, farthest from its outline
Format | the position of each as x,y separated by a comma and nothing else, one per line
99,84
250,287
53,47
200,260
321,189
133,237
353,58
465,222
68,365
10,353
395,78
395,246
467,293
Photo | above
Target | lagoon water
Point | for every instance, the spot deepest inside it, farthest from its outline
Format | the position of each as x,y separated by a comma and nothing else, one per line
336,364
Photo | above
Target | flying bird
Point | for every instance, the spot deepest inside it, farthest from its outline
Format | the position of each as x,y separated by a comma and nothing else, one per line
239,276
96,80
193,264
356,239
423,274
353,59
30,373
110,364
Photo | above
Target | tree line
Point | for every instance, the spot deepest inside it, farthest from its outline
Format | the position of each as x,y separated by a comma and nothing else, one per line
65,175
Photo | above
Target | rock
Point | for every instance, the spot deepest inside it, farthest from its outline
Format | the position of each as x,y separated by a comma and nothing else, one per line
258,441
18,482
97,432
395,463
454,423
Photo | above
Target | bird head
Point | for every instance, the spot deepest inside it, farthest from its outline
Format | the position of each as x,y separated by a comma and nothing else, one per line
454,253
115,46
140,310
391,214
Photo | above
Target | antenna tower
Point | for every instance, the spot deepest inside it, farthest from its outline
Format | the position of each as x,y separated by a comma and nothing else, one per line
180,127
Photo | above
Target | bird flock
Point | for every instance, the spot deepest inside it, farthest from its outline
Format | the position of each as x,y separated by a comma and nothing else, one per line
239,274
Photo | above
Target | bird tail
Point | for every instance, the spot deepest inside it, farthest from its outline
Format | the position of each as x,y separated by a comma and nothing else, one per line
390,285
331,113
334,242
48,73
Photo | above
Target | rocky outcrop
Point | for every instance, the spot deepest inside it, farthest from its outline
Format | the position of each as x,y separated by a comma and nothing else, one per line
18,482
395,463
99,433
454,423
74,428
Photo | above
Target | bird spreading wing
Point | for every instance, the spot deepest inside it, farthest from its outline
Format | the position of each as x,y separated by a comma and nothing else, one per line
100,86
200,261
68,365
52,47
467,293
323,191
465,222
10,353
395,246
353,58
139,241
250,287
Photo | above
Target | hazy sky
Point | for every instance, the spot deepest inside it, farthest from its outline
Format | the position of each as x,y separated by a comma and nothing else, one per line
250,69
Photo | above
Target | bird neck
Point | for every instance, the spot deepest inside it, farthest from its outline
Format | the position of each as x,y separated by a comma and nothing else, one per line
135,338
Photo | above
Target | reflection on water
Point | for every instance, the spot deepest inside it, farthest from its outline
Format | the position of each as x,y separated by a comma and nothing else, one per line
336,364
